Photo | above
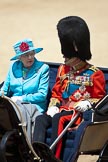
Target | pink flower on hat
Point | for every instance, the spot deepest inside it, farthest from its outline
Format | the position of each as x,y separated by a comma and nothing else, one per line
24,47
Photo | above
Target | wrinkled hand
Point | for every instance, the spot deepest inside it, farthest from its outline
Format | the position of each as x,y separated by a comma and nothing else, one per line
83,106
15,98
52,110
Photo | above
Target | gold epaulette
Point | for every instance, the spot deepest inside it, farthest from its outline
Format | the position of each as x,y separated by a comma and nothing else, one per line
53,102
93,68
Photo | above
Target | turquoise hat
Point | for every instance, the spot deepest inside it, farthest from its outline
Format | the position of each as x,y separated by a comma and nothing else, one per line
24,46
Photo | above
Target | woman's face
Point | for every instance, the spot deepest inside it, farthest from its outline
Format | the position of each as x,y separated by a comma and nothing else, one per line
27,59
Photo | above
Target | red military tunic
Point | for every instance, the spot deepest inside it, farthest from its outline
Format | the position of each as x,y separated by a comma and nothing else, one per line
90,85
71,86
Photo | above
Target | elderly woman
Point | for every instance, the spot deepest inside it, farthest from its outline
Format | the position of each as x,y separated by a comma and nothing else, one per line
27,81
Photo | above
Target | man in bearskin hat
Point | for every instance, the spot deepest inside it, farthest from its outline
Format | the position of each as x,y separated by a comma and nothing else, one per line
78,83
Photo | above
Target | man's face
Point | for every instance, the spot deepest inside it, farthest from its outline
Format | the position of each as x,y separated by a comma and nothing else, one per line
73,60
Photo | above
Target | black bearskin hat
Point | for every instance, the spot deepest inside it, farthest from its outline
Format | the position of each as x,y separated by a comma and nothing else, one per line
74,37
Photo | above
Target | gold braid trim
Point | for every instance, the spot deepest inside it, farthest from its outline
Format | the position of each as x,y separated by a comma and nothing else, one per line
93,100
94,68
62,77
53,102
60,70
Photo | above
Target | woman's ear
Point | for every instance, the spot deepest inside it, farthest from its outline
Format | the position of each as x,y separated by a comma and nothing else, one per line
19,58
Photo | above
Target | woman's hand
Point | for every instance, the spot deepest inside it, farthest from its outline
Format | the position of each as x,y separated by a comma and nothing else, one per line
15,98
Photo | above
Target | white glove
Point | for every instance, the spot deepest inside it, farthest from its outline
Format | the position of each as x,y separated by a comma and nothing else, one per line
52,110
83,106
15,98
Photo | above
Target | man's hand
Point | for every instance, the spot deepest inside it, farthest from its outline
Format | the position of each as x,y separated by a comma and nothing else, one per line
82,106
52,110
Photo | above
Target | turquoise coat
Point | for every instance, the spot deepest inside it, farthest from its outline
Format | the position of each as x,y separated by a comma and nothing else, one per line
33,89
